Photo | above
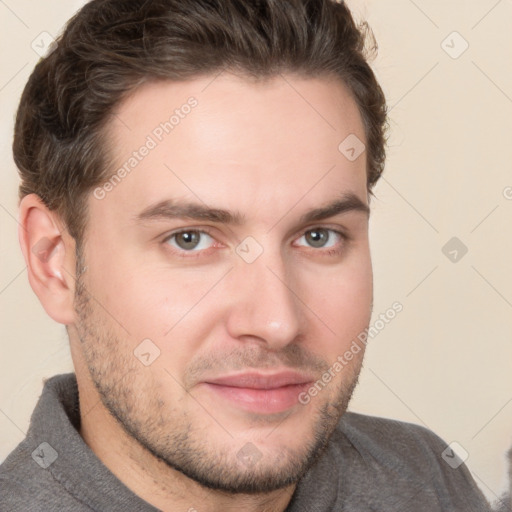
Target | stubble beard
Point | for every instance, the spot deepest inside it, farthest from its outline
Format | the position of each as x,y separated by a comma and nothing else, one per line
174,438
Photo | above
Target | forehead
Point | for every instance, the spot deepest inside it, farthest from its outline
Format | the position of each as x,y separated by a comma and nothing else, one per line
228,141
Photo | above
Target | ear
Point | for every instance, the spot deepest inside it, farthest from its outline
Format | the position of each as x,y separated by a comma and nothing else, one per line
49,253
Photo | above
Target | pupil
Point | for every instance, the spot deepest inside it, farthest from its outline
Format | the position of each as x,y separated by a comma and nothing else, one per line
187,239
317,237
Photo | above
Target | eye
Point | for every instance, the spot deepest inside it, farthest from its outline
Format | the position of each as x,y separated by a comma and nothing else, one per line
320,238
190,240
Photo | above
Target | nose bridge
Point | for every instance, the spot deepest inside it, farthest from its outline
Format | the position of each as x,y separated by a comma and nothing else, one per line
265,305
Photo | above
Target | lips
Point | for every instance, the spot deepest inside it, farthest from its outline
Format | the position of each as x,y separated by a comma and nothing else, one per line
262,381
260,393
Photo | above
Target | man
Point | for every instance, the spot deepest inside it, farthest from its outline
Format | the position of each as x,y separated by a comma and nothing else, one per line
504,503
195,191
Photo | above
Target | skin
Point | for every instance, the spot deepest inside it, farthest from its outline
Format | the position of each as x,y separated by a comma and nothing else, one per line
268,153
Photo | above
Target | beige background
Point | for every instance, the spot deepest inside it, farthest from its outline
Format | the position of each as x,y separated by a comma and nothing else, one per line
445,361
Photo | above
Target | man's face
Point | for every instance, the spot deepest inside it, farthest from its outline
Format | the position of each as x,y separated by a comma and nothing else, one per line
226,272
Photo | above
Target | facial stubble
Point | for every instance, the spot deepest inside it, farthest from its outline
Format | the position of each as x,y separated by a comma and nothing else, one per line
133,396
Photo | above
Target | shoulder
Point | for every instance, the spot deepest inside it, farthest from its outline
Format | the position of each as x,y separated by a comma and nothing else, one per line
25,485
26,479
389,434
396,442
406,458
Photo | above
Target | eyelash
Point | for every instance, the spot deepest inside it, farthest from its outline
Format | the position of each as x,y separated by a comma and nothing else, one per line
197,254
331,251
188,254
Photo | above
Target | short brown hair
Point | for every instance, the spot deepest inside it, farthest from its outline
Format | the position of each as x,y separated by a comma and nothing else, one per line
110,47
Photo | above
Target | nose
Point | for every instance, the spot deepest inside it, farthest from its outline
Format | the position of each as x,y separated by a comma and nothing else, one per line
265,306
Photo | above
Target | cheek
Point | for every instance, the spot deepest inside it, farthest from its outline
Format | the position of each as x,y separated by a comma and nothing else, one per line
176,310
148,297
342,301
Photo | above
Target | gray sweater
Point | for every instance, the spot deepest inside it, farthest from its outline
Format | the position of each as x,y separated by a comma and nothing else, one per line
371,464
504,503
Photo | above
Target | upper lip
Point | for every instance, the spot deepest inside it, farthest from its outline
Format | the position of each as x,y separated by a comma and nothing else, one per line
257,380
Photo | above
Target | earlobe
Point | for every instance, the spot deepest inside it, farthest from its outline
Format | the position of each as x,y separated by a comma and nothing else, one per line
49,255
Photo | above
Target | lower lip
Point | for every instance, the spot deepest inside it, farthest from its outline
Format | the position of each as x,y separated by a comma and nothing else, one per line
262,401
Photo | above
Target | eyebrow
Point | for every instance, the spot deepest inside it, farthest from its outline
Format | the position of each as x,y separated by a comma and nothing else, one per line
172,209
169,209
348,203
